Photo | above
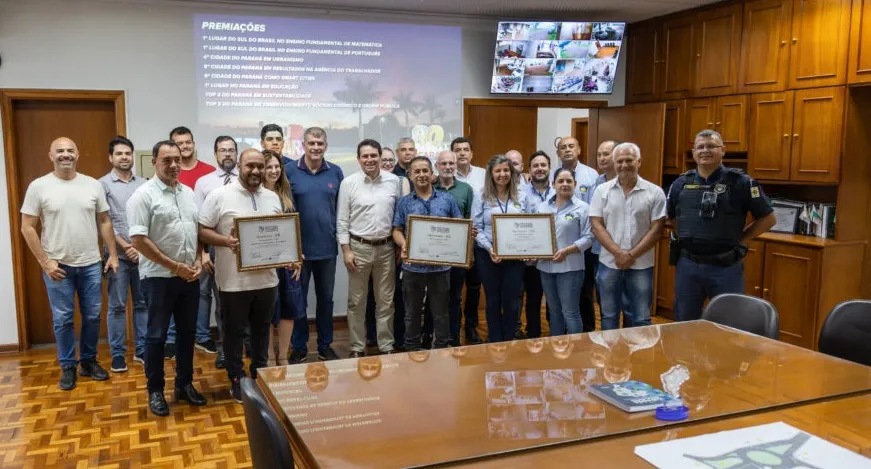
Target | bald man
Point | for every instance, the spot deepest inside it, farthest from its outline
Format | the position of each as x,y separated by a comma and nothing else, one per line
247,298
71,207
569,151
516,159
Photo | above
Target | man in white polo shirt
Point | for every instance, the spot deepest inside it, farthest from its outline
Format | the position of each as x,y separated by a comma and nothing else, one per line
627,214
247,298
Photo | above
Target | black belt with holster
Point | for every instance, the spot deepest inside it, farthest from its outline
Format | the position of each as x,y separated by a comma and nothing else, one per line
726,259
371,242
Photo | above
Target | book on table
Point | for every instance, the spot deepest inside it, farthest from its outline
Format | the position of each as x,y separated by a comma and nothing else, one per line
631,396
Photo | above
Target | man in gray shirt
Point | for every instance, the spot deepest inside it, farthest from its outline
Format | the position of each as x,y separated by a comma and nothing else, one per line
119,185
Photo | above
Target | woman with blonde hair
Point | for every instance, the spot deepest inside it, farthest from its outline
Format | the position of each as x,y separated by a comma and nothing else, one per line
289,305
502,279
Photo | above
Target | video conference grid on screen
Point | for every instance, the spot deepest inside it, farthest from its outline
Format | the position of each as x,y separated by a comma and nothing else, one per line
556,58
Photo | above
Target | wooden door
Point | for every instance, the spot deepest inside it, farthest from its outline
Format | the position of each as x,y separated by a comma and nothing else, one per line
674,145
770,136
497,129
818,126
765,46
718,49
642,124
700,116
677,58
581,132
731,121
642,79
753,268
819,44
32,120
665,274
792,283
859,70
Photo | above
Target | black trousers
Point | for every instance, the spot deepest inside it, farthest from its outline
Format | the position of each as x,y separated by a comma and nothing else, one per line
473,295
435,287
534,294
588,311
253,308
170,298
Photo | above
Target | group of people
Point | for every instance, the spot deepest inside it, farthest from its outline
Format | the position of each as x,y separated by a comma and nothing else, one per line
170,242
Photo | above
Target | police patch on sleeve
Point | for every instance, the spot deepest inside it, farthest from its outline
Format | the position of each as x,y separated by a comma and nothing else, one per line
754,192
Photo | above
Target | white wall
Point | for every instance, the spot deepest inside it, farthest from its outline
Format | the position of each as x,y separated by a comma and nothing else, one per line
145,49
554,123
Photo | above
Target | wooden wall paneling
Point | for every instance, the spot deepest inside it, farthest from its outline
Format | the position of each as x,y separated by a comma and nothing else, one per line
678,57
818,123
717,44
642,124
643,84
664,282
674,144
819,44
770,137
859,62
765,46
753,268
854,190
731,121
791,282
840,280
700,116
497,129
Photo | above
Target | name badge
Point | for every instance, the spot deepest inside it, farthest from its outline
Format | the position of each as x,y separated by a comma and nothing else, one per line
691,186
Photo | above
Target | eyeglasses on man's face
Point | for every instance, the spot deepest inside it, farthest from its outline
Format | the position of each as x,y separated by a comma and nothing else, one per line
703,147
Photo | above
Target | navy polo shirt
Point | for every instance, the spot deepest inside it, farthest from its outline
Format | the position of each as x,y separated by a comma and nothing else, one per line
316,196
746,196
440,204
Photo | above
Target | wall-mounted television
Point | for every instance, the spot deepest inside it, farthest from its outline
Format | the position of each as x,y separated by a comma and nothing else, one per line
537,57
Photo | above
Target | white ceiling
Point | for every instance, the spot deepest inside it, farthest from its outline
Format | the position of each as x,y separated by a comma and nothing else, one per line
561,10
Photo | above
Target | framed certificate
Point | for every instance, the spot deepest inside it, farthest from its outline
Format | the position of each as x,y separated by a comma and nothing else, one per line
439,241
267,242
526,236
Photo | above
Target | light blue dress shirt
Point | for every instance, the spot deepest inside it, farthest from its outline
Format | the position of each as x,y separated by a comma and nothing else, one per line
168,217
597,246
585,181
572,222
534,198
483,210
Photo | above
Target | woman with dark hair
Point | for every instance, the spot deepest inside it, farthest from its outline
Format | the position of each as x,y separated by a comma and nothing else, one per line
562,276
289,305
502,279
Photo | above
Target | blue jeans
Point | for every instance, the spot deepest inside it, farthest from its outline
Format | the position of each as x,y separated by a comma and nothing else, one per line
126,279
86,282
324,272
501,282
562,292
631,289
694,283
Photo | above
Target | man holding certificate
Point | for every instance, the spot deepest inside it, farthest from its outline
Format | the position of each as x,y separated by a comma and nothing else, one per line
247,297
421,280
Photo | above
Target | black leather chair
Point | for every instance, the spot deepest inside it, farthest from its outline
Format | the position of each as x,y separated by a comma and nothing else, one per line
743,312
266,438
846,332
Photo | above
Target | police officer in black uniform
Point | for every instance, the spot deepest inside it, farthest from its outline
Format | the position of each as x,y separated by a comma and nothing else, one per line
709,207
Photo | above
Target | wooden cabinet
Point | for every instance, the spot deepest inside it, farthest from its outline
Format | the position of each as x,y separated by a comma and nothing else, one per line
796,135
665,280
765,46
717,47
753,268
770,136
727,115
642,124
674,146
678,57
818,125
643,84
791,283
859,70
819,43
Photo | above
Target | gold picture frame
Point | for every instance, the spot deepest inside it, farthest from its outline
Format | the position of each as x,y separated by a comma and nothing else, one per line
240,225
440,220
498,218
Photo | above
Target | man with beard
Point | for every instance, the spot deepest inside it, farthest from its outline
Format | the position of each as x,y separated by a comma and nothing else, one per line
192,170
537,191
225,156
70,207
248,298
446,162
709,207
569,151
363,225
118,186
162,216
422,281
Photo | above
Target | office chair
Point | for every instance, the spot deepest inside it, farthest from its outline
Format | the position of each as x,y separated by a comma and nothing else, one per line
743,312
846,332
269,445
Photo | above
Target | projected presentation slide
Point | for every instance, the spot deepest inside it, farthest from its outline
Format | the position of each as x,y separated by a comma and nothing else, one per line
556,58
357,80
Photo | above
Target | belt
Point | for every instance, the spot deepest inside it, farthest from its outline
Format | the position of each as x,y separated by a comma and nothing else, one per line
726,259
371,242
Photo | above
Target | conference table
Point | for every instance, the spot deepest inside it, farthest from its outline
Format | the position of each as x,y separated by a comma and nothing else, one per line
526,403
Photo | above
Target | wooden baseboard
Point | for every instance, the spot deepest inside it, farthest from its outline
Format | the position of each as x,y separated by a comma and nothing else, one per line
9,348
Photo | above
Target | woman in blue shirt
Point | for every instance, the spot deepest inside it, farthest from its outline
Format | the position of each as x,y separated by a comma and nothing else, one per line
502,279
562,276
